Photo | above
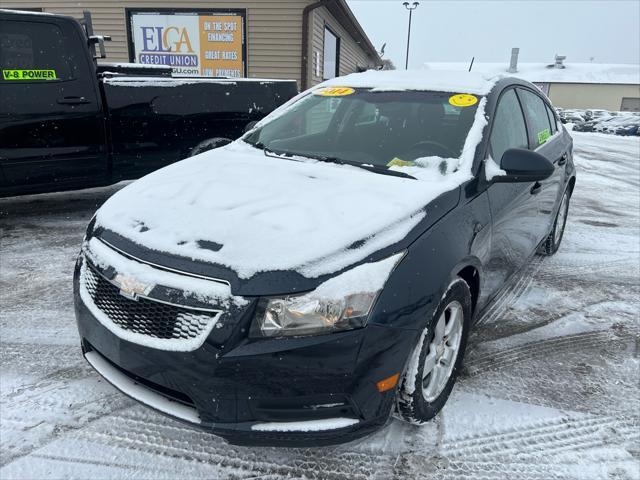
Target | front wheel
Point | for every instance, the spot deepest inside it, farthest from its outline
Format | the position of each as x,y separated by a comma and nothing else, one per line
552,242
434,363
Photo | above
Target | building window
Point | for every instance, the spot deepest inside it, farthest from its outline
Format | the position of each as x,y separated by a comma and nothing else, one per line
630,104
331,55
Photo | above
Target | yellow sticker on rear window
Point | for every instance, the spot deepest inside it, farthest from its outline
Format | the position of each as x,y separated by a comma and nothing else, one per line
463,100
29,74
334,91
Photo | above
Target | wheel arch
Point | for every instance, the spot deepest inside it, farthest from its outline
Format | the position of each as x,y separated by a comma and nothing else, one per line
471,275
571,184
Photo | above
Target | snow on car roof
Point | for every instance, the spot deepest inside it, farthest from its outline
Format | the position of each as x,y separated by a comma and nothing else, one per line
454,81
627,74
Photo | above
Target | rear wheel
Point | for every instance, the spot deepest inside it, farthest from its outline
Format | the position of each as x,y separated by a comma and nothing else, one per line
433,367
552,242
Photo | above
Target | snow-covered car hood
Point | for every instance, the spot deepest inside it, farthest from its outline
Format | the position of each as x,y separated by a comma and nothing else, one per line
250,212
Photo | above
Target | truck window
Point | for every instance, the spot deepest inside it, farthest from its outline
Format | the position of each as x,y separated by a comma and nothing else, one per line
34,52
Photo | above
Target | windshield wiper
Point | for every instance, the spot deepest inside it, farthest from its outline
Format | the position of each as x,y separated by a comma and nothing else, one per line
329,159
336,160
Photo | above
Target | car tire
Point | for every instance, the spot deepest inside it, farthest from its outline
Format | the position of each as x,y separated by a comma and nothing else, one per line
552,242
417,401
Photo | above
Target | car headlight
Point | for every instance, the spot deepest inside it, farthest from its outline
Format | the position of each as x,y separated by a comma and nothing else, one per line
340,303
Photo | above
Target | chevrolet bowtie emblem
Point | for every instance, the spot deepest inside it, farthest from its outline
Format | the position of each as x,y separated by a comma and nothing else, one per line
131,287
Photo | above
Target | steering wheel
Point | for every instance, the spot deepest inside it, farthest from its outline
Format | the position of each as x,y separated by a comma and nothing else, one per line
422,145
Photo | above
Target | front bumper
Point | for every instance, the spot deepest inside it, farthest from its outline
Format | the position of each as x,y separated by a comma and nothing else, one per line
305,391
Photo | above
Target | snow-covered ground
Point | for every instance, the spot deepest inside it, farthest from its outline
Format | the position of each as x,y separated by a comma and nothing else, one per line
550,388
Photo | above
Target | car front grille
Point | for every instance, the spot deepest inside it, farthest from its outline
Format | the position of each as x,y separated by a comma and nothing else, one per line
146,318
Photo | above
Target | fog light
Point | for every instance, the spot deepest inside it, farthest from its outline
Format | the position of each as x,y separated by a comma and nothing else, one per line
388,383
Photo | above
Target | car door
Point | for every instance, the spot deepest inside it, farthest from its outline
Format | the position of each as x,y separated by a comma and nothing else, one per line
513,205
51,123
543,139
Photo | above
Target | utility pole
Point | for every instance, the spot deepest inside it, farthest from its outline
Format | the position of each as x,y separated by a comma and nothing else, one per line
411,8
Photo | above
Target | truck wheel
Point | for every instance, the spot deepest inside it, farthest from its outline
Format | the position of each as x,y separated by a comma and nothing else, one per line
552,242
209,144
436,359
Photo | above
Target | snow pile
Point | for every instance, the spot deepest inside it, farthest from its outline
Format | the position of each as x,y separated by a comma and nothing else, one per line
601,121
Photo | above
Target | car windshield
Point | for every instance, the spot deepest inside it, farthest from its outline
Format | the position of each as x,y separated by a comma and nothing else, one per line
371,128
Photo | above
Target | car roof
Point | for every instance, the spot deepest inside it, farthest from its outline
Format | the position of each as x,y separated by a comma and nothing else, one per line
428,80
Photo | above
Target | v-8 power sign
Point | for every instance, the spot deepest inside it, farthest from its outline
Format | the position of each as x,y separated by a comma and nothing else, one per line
208,44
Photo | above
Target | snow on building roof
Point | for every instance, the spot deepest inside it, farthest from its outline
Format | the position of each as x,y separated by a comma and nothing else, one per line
455,81
621,73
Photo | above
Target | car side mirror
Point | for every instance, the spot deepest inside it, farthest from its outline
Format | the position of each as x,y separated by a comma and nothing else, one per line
250,125
521,165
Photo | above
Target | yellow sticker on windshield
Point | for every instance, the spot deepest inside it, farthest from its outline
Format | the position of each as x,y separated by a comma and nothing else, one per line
29,74
334,91
398,162
463,100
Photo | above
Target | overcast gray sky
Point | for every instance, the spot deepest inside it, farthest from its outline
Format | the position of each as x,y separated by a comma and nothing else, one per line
456,30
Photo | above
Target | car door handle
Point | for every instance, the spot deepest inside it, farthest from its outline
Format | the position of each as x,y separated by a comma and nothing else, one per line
537,187
72,100
563,159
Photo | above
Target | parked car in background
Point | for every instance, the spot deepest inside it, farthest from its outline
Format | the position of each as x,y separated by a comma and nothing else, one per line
601,121
299,285
67,123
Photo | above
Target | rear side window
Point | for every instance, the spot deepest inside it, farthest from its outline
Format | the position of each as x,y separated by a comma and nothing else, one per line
509,130
552,119
34,52
536,111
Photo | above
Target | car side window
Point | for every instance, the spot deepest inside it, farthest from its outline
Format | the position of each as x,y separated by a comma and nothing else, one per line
552,119
536,111
34,52
509,129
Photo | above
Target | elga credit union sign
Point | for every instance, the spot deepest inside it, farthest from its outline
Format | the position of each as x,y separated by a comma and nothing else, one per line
208,44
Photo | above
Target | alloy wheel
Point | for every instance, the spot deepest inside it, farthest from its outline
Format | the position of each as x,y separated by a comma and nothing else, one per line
441,357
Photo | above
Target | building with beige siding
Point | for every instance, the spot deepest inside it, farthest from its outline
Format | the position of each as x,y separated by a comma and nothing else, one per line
300,39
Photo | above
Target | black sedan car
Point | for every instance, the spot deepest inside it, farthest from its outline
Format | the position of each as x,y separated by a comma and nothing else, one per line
303,283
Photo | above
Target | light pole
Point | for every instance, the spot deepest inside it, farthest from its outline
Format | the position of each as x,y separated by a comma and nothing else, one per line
411,8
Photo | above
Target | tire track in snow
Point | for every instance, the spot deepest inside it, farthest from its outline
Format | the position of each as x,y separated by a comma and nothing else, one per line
37,358
547,438
592,271
144,433
514,355
61,402
517,287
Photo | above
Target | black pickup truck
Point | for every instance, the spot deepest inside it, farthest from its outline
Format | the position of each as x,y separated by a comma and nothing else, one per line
67,122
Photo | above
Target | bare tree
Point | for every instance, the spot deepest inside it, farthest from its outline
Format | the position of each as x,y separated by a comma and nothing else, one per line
387,64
